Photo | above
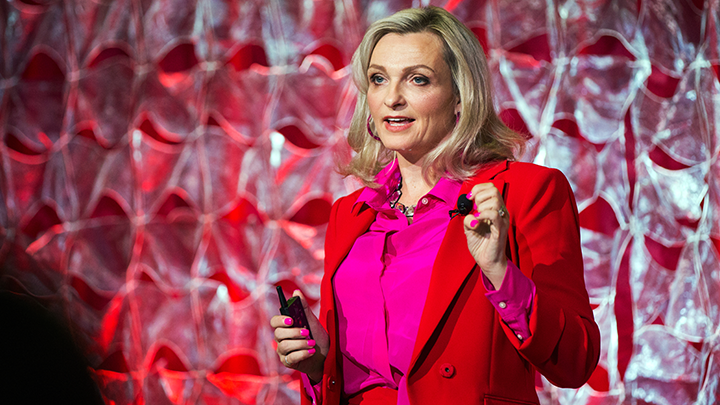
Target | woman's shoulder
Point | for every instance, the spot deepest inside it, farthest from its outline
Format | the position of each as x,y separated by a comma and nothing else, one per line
538,172
345,209
513,170
523,182
346,203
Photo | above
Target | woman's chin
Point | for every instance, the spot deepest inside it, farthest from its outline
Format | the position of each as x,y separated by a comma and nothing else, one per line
413,156
398,147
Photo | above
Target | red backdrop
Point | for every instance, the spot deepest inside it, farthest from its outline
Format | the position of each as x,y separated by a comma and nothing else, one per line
167,163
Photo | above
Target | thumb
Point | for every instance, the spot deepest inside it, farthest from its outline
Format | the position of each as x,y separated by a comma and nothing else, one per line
312,319
298,293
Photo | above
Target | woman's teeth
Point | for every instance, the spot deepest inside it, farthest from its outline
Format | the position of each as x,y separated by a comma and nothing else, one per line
398,121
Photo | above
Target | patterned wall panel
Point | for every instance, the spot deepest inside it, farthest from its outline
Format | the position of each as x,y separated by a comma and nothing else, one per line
166,164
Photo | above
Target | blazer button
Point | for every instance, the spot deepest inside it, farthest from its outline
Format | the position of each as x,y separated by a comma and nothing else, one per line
447,370
331,384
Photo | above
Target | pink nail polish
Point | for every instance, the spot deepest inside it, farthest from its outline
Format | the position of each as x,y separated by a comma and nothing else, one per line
473,224
311,342
304,333
476,215
311,351
469,195
288,321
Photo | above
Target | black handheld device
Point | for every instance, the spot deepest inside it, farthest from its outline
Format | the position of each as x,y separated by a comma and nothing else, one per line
464,206
294,309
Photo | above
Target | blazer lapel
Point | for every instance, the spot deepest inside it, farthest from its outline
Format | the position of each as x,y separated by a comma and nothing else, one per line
452,266
354,224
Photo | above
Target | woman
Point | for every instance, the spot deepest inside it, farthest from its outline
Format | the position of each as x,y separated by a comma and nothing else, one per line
421,307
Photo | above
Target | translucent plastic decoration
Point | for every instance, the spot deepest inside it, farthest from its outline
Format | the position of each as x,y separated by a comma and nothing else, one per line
166,164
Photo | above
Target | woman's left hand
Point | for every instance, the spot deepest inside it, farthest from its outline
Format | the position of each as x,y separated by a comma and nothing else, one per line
486,231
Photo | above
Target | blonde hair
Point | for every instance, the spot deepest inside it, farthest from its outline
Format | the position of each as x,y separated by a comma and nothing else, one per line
479,136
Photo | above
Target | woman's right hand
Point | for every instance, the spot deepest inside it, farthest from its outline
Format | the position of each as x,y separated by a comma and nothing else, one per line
295,349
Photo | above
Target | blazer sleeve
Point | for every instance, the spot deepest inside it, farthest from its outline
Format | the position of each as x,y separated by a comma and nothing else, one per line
331,375
565,342
306,398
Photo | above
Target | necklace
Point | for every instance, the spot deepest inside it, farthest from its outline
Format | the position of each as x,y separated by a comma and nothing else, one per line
407,210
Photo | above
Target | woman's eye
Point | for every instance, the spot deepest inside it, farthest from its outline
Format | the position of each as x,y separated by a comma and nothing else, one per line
419,80
376,79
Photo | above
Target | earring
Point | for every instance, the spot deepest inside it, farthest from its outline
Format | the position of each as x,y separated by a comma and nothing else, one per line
457,118
370,131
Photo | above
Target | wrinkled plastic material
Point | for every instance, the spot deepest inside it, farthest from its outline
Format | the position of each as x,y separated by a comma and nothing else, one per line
165,164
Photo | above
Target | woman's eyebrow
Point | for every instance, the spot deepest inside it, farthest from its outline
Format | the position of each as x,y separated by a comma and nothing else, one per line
405,70
376,67
420,66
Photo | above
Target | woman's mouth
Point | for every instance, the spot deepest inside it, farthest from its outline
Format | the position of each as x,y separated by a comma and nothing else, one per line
398,123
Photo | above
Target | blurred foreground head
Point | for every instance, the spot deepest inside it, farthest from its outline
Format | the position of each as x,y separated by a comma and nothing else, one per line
39,362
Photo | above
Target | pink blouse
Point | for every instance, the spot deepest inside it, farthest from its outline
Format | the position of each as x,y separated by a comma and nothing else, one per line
381,286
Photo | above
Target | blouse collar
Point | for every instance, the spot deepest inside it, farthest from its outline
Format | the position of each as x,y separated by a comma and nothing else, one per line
389,177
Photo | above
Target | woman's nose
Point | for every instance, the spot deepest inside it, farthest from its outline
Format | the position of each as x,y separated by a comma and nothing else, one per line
394,97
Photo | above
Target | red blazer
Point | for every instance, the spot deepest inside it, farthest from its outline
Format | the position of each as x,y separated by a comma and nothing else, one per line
464,353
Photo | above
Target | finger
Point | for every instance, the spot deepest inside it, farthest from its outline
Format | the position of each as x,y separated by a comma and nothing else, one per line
480,189
287,347
306,307
489,206
483,210
291,333
472,221
291,359
285,360
480,186
486,194
288,360
281,321
291,345
489,216
486,221
478,224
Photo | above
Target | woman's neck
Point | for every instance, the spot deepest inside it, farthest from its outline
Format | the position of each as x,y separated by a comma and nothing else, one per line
414,184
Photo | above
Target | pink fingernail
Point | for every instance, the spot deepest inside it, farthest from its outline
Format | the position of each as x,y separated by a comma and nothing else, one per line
288,321
311,351
473,224
476,215
469,195
311,342
304,333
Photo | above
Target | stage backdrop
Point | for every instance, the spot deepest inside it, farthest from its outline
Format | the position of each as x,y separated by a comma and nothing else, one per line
167,163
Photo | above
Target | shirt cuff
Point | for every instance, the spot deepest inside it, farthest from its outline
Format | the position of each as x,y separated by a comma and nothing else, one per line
513,300
312,390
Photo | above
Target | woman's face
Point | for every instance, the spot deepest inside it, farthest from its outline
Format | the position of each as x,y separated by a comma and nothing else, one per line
410,93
